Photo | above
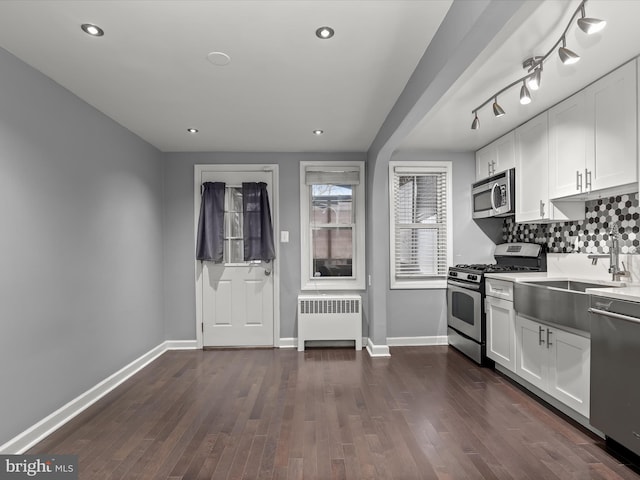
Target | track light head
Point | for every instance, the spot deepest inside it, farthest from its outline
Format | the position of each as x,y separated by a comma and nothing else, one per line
497,109
567,56
533,82
590,25
525,96
476,122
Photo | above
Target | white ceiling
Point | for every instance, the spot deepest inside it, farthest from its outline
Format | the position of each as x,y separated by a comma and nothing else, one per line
150,72
448,125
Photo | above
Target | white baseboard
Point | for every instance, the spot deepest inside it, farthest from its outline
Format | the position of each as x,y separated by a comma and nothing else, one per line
377,350
417,341
181,344
51,423
292,342
288,342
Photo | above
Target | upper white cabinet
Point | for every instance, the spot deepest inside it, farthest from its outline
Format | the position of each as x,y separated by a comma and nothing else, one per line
496,157
532,177
593,135
532,162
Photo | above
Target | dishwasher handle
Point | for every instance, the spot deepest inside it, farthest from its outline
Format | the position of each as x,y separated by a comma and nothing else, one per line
619,316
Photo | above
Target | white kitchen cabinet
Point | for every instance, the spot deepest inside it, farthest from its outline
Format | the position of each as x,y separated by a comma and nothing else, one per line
614,101
554,360
570,139
532,163
593,137
532,177
500,315
496,157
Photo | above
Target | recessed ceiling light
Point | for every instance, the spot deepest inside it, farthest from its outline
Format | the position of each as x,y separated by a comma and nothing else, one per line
93,30
325,33
192,130
318,132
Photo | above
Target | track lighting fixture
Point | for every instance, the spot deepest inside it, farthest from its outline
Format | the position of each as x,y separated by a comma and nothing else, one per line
525,96
590,25
533,65
533,82
497,109
476,122
567,56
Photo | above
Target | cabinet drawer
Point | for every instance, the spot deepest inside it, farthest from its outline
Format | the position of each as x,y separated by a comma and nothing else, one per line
499,289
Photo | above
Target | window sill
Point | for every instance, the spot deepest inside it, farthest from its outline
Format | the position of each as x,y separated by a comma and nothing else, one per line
329,285
419,285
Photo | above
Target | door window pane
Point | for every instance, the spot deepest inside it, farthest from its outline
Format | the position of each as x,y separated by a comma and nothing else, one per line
233,221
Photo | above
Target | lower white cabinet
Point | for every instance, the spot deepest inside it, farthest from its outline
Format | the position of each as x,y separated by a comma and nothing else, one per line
501,331
554,360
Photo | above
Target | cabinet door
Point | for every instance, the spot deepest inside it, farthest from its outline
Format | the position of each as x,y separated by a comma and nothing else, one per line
496,157
531,352
532,167
614,103
501,342
570,143
484,161
505,148
569,371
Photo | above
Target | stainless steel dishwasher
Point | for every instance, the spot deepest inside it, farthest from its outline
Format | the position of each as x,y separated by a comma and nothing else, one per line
615,370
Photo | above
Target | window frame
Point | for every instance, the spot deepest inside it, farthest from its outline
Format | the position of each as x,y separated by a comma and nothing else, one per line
357,280
417,168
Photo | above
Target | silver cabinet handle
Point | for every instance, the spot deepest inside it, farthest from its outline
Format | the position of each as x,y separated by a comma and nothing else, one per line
587,179
540,339
549,332
541,209
489,168
578,180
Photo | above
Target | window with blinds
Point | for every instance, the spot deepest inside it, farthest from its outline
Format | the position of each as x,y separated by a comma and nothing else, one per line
420,224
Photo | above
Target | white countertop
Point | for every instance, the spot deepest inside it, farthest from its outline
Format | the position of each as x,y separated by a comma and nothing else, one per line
518,276
630,293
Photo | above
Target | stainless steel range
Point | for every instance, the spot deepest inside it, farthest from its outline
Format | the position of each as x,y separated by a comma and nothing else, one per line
466,294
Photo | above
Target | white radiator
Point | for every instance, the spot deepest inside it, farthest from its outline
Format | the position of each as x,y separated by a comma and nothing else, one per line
329,317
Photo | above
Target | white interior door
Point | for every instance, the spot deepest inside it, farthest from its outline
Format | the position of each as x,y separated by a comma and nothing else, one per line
236,298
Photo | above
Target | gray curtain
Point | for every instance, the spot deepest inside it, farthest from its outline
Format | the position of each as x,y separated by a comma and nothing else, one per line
210,242
257,227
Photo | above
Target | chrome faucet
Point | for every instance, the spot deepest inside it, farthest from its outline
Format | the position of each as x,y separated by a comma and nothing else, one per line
614,257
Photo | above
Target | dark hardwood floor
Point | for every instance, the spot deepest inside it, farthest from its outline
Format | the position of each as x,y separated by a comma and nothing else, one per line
424,413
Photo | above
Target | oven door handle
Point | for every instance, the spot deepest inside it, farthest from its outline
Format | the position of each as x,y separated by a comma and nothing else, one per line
466,286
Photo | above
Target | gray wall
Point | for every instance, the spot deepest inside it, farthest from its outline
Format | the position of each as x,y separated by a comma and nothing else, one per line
178,233
466,30
80,246
416,313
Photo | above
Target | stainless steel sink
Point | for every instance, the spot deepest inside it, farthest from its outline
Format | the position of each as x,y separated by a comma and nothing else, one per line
561,302
572,285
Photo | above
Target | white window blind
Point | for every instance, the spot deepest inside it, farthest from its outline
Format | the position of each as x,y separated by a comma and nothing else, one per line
332,175
420,240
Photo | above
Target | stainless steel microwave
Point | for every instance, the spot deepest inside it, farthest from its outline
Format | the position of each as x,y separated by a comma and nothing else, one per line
494,196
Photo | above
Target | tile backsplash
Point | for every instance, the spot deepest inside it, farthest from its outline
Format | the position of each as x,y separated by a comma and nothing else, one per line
586,236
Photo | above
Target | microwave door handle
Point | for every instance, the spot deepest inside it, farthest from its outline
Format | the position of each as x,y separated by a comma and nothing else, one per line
493,203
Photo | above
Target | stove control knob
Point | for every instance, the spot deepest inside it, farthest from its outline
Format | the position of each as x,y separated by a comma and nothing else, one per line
473,277
453,274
